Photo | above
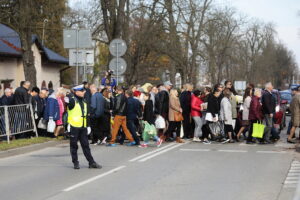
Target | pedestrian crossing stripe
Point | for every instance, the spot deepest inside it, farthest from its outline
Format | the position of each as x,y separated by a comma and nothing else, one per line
293,176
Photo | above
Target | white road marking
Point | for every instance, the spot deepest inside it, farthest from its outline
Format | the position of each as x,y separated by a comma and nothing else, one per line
93,179
233,151
292,178
290,186
195,150
279,152
290,182
294,174
248,145
151,152
161,152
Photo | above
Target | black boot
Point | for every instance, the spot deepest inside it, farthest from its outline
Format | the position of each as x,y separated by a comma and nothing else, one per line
76,166
95,166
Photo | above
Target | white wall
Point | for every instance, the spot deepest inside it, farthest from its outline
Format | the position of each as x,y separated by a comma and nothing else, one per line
12,68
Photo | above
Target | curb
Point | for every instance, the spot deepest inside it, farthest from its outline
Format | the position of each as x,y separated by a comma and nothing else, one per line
29,149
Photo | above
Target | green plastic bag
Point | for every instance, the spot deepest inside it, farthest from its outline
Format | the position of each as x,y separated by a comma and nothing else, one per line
149,131
258,130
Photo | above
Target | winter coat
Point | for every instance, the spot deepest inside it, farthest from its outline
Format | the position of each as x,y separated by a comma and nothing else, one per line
295,110
120,105
226,111
185,102
21,96
97,105
233,106
162,103
52,108
148,112
196,106
213,105
246,107
268,103
255,111
174,106
134,109
7,101
40,106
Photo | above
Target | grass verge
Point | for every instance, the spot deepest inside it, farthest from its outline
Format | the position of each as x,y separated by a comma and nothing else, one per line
24,142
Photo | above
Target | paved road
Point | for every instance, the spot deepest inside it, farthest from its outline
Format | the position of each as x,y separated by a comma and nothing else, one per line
173,171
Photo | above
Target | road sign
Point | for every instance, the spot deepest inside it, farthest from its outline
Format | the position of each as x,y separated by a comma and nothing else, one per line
118,66
77,38
117,47
84,57
240,85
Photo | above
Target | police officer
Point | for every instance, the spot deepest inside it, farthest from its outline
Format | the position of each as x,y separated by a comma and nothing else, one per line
78,124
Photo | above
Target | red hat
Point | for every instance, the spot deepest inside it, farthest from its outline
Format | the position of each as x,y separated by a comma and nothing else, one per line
137,93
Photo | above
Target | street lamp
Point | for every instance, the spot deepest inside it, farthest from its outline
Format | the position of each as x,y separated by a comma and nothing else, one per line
43,36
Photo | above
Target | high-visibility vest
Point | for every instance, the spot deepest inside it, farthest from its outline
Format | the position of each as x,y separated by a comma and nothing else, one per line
76,117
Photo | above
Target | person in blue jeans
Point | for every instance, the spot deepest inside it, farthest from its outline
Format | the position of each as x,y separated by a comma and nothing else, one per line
134,113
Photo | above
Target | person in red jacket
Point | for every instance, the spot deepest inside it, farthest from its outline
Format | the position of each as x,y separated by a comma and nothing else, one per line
255,113
196,107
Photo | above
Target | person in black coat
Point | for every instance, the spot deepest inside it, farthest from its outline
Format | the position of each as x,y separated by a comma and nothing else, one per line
7,98
22,95
185,102
148,114
162,100
268,106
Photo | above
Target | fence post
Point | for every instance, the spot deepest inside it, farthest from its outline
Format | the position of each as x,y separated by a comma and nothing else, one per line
33,121
7,127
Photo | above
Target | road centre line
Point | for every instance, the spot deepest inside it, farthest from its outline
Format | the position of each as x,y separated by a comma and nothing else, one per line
195,150
151,152
93,179
233,151
161,152
279,152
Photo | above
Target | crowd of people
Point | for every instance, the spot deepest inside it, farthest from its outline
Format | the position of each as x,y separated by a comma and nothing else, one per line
116,113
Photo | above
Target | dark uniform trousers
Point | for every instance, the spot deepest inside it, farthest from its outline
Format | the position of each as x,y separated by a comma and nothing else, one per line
81,135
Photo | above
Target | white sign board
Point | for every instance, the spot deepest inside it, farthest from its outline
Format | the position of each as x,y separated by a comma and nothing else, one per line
240,85
84,57
77,38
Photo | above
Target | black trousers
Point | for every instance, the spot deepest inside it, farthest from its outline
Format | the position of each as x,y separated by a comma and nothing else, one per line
81,135
105,127
250,138
173,126
187,125
95,127
132,128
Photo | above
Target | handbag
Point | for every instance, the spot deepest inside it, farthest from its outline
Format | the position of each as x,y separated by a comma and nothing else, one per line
178,117
42,125
258,130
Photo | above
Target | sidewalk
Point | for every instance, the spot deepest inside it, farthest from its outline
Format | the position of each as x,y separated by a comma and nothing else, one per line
30,148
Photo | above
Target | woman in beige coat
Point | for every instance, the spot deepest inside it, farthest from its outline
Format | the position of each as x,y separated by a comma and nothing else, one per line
174,108
295,111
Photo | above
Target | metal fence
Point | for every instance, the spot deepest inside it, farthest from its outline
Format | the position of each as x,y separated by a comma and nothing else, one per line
16,119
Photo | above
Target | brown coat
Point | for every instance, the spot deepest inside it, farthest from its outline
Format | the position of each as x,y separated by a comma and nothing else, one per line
295,110
174,106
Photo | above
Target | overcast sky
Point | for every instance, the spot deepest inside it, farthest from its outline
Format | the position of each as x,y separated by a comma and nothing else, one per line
283,13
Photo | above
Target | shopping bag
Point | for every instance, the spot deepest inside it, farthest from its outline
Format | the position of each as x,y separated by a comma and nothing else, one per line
209,117
42,125
160,122
149,131
258,130
51,126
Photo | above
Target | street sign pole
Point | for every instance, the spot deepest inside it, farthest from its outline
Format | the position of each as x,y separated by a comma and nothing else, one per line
77,67
117,63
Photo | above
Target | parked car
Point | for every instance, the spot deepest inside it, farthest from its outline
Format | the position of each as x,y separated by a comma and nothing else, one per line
286,98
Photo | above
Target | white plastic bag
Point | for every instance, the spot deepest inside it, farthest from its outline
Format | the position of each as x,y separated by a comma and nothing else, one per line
160,123
42,125
51,126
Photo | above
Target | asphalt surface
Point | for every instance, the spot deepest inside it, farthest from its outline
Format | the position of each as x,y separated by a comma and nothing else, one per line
173,171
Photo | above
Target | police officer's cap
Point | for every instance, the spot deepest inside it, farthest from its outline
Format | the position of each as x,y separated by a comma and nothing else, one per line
78,88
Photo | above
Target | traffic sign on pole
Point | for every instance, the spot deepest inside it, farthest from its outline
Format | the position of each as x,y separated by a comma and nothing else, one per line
117,47
118,66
